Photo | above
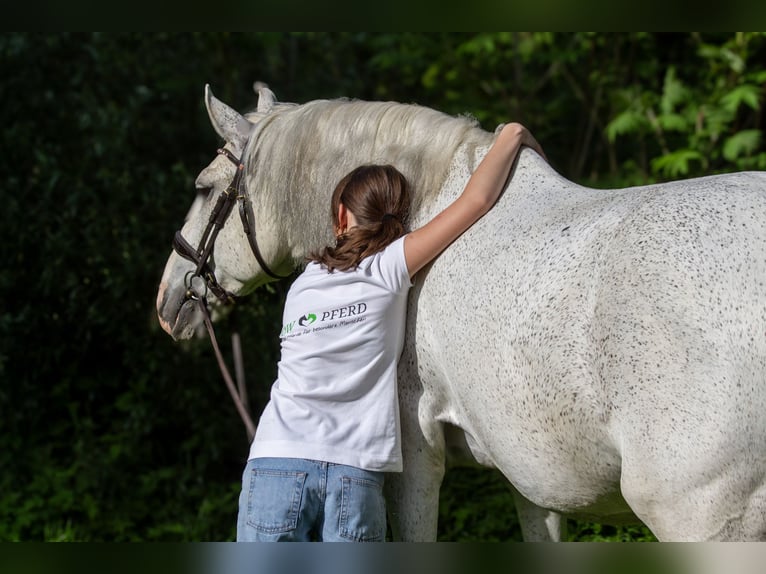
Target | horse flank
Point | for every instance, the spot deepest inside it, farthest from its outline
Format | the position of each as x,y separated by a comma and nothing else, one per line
298,154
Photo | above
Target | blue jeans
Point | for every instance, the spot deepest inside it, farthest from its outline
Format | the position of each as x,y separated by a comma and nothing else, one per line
292,499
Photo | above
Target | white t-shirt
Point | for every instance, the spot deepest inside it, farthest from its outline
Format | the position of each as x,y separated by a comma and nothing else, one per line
335,397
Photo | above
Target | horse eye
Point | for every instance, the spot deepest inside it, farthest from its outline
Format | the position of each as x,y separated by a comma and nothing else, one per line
204,191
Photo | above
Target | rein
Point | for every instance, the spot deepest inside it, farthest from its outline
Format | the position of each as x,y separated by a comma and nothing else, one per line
201,258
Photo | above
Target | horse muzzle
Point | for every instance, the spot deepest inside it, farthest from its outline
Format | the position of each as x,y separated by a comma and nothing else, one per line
178,315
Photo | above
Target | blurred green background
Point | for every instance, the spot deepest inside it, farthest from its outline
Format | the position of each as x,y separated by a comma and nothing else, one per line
110,431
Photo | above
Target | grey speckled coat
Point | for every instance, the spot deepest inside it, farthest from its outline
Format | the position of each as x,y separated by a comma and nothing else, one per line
605,349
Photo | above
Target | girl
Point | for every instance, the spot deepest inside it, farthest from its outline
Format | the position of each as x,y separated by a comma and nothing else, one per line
331,428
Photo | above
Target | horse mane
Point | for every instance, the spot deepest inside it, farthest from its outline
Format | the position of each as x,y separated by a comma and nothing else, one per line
297,154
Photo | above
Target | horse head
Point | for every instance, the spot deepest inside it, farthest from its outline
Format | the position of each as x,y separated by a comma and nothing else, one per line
233,264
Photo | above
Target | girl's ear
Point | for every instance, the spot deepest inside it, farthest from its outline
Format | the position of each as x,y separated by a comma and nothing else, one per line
342,220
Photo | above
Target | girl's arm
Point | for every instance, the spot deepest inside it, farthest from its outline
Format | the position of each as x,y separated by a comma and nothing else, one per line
480,194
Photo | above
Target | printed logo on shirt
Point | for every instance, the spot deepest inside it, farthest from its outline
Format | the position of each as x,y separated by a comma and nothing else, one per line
329,319
307,319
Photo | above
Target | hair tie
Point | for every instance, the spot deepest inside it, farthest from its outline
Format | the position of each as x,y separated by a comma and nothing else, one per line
387,216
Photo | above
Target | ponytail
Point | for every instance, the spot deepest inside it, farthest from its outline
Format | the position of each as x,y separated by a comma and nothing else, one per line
379,198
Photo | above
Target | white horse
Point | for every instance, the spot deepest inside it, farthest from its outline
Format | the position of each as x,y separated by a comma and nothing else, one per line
604,349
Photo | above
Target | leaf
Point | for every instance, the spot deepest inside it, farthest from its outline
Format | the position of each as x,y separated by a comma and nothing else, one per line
627,122
673,122
481,44
741,144
744,94
734,61
676,163
717,120
430,77
673,91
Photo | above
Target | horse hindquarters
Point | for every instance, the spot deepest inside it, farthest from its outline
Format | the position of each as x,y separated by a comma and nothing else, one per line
683,318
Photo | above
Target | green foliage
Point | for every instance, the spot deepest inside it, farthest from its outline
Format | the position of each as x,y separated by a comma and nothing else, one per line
580,531
111,431
705,118
476,505
677,163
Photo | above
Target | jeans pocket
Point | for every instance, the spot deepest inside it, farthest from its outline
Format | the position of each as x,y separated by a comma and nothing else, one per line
363,510
274,500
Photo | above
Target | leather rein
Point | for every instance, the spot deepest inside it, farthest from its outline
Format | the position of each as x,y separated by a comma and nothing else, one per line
201,259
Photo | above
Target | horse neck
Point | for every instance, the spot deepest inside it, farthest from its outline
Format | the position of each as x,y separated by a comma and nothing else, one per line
304,152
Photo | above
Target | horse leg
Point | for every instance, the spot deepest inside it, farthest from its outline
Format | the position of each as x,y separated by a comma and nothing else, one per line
693,464
727,503
413,495
753,523
413,500
538,524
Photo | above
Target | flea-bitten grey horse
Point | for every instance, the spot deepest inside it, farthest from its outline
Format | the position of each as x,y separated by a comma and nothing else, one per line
604,349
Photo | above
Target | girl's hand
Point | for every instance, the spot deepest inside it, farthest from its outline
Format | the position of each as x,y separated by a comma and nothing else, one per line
526,137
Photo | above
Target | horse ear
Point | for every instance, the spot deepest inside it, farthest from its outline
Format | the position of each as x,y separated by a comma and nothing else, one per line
227,122
266,97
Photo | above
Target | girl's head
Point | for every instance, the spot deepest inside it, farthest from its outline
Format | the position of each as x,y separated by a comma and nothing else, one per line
378,199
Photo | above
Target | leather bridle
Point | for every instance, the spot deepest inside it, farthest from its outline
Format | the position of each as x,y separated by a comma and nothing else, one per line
218,216
201,259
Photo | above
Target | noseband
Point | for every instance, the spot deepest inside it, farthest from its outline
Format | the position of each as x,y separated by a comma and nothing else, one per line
218,216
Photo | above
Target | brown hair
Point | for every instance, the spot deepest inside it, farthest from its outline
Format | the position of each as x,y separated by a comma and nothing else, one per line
379,198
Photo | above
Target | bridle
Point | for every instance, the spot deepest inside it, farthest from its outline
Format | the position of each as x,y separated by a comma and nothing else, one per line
201,259
218,216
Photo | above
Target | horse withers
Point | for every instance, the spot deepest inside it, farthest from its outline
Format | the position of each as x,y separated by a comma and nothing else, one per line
604,349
